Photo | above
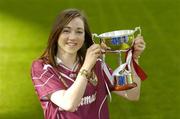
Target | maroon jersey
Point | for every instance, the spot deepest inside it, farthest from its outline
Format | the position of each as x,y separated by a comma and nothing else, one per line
46,81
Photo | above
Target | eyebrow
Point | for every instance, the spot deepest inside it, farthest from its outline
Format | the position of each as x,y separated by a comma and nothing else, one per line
79,28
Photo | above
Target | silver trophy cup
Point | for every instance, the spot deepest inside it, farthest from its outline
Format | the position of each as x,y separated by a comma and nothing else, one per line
119,42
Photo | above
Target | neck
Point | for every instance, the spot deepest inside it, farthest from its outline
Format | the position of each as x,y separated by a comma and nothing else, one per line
67,59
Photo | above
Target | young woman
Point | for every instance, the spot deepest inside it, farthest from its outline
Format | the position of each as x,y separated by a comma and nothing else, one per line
68,78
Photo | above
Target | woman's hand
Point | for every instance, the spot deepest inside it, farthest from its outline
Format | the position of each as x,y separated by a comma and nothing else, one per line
93,52
139,46
104,47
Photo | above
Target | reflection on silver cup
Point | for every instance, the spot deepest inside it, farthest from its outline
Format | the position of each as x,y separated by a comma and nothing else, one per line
129,78
120,39
123,79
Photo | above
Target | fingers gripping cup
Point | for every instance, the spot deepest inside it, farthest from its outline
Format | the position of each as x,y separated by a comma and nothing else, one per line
120,41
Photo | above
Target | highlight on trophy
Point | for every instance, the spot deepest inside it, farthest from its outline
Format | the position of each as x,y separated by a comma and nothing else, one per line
119,54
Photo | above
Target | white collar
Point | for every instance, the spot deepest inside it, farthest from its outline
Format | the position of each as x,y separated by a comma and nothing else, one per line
60,62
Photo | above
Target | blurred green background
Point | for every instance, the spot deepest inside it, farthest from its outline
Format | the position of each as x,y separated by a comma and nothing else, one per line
24,30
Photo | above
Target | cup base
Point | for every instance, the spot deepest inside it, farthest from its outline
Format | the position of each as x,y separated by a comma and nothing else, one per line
124,87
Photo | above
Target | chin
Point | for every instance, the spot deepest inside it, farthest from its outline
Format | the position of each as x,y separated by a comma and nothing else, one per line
72,52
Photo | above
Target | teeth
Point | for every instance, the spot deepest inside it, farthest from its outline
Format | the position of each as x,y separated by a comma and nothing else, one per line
71,44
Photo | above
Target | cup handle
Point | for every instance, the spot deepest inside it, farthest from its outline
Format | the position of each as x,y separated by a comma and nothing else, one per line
94,36
138,29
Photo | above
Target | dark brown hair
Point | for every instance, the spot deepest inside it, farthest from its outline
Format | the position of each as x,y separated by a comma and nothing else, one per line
62,20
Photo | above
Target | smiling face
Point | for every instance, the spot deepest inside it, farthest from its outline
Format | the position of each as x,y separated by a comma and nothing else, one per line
72,37
69,35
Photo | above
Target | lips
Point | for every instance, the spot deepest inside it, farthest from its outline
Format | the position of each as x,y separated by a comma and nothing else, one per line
71,44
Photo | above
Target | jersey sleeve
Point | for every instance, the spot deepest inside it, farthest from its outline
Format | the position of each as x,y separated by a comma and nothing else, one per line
45,81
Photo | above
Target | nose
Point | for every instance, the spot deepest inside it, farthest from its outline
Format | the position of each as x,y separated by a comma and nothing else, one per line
72,36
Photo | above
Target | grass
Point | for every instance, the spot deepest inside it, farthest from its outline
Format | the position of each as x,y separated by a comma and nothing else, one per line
24,29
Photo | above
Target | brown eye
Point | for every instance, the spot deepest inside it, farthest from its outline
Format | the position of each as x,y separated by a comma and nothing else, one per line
66,31
79,32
